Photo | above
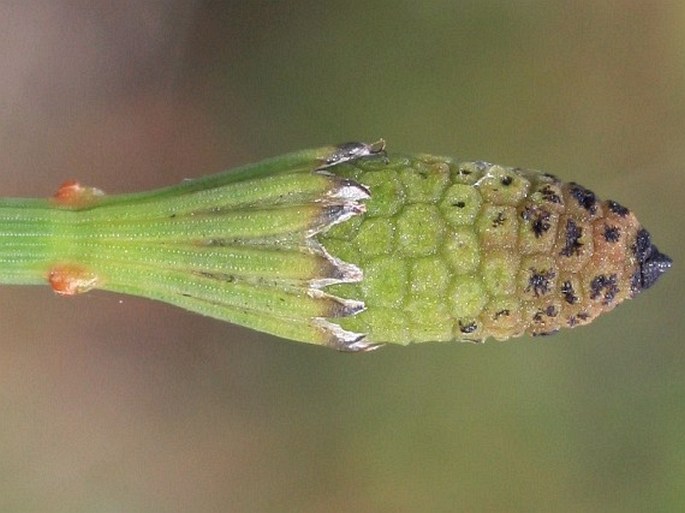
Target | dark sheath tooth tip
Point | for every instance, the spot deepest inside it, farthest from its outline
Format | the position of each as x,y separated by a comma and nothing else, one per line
654,266
651,262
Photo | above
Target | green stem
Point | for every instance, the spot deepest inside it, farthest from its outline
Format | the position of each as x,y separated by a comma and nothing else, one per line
32,236
236,246
336,246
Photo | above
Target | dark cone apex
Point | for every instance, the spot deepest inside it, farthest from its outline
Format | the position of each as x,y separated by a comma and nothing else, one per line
651,262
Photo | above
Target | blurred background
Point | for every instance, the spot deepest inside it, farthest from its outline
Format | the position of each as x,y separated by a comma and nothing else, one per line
115,404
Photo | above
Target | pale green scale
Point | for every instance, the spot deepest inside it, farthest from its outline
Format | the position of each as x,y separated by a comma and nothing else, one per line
461,250
377,236
499,273
460,204
467,296
430,319
429,278
388,192
424,182
420,230
386,281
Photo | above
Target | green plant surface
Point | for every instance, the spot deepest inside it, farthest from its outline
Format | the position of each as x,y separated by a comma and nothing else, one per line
346,246
112,402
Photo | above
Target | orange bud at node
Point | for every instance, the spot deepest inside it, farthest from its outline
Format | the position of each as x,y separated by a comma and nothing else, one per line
71,279
73,194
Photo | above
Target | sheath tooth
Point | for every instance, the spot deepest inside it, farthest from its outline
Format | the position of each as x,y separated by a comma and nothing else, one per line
350,191
344,340
344,272
341,307
335,214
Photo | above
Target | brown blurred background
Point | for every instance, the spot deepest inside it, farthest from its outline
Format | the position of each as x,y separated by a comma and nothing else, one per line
115,404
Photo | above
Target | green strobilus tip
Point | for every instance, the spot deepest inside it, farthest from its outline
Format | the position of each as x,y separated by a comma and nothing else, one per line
346,246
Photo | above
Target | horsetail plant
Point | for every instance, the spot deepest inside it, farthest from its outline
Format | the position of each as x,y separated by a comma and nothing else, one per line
346,246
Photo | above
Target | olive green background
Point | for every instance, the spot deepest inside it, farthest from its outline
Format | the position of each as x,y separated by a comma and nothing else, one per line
110,403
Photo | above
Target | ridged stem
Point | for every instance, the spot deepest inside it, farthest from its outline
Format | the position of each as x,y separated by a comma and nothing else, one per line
236,246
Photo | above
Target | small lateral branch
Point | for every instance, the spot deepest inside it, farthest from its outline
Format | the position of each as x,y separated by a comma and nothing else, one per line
72,279
72,194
